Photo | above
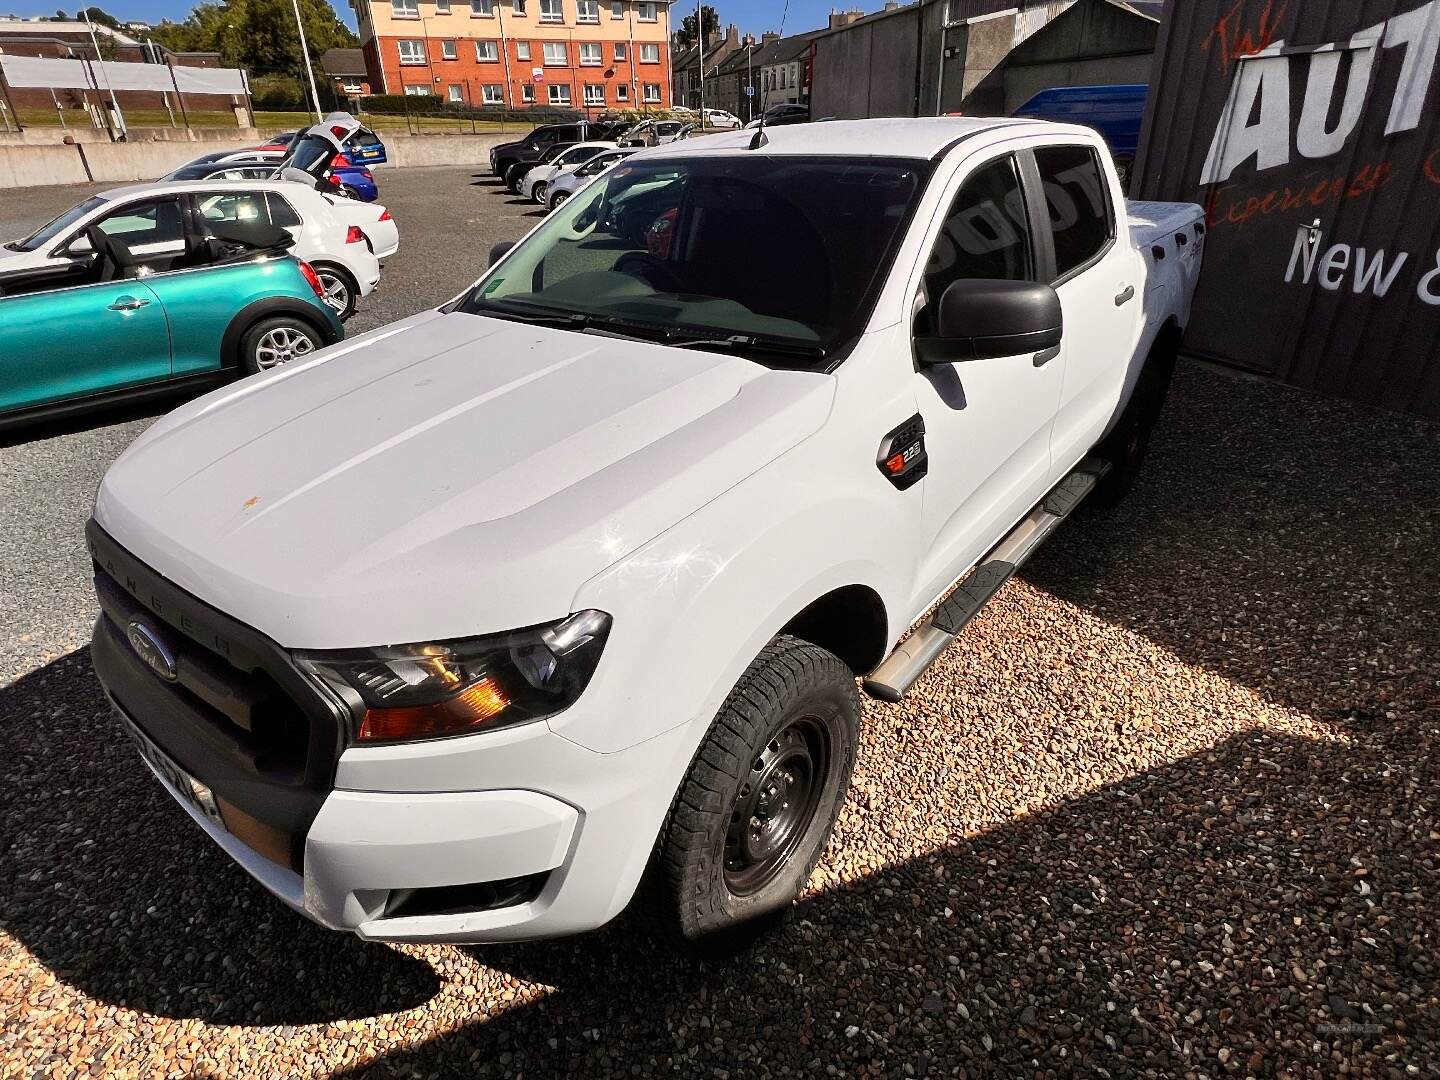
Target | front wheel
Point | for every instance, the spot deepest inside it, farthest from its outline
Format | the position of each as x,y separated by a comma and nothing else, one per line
513,176
537,193
275,341
1126,445
558,199
760,799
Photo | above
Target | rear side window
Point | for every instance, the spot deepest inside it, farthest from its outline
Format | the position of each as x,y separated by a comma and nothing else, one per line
1081,217
986,234
281,212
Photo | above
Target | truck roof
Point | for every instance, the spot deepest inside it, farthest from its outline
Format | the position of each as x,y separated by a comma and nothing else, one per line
904,137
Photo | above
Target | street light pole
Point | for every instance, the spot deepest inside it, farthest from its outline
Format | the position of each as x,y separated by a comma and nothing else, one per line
749,82
305,52
700,34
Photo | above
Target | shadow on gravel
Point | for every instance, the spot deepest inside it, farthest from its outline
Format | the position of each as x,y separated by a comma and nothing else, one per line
1272,898
1288,542
116,891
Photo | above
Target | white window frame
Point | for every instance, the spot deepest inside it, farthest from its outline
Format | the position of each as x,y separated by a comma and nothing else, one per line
558,93
404,9
491,53
456,94
527,93
449,50
442,7
518,6
564,60
417,90
622,92
482,9
620,54
647,97
648,11
594,94
522,50
582,7
552,11
492,94
649,52
415,59
592,54
617,9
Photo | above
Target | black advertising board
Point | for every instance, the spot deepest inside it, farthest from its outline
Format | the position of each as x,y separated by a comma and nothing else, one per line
1310,131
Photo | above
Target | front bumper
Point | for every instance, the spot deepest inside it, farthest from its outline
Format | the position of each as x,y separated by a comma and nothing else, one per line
352,836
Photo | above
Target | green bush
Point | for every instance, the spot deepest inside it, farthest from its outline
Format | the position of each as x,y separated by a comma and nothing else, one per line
278,93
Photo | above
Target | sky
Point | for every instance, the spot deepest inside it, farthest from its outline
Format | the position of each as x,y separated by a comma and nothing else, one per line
752,16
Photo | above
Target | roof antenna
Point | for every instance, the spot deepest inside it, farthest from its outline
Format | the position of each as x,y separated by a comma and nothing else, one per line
760,139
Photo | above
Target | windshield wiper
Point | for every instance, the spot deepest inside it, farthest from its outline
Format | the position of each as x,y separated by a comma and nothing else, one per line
565,320
751,343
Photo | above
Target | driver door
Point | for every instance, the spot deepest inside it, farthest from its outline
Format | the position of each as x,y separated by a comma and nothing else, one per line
70,343
987,422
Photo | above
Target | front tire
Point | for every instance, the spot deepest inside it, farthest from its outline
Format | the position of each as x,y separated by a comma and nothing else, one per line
558,199
760,799
537,193
275,341
513,176
1126,445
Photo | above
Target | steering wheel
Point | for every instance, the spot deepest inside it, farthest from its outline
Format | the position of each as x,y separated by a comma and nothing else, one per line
656,273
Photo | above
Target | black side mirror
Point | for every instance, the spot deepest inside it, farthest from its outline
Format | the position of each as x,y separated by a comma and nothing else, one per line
980,319
498,251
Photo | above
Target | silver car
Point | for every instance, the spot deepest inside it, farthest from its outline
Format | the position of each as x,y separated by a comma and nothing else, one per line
566,184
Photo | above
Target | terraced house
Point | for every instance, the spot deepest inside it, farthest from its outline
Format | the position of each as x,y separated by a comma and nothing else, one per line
581,54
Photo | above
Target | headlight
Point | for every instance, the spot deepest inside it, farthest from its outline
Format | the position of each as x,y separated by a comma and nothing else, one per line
444,688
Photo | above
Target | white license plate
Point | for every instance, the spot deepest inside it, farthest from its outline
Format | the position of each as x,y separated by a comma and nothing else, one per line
181,783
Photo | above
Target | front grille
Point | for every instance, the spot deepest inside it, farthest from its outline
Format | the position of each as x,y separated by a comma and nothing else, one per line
238,715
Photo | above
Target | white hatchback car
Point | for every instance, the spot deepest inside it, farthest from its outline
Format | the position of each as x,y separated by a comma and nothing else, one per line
329,231
534,183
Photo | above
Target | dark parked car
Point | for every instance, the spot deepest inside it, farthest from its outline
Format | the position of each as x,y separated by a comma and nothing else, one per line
511,161
787,112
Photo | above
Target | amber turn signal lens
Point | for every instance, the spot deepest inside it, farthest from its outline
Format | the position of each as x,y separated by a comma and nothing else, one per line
466,711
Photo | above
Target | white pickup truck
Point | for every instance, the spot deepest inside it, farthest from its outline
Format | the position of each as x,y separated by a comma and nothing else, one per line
453,631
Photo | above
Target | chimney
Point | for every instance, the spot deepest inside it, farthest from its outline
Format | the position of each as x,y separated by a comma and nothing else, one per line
768,37
892,5
732,35
844,18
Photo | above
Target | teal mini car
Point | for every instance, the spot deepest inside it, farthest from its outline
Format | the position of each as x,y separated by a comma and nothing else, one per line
129,312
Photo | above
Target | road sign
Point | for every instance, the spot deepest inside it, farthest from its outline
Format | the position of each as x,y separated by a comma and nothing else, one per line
749,91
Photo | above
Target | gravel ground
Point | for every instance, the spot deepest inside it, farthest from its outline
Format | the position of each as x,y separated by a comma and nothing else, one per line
1168,809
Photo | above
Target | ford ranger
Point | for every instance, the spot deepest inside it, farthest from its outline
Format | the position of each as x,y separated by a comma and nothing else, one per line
467,628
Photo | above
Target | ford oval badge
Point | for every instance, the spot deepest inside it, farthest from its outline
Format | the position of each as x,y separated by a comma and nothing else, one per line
149,646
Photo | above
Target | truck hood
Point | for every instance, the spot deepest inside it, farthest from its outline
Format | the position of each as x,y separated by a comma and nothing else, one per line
446,476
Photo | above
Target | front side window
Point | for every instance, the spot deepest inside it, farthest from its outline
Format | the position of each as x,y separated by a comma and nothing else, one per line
146,224
590,53
493,94
555,52
587,11
652,93
411,52
650,53
559,95
650,249
522,50
594,94
1082,220
986,233
486,50
551,11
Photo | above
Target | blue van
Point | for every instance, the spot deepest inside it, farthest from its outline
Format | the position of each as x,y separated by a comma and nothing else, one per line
1115,111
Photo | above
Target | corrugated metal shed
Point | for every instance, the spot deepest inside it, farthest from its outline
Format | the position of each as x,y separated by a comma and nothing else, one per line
1310,130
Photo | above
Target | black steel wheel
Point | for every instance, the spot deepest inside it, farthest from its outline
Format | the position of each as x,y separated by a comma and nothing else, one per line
759,800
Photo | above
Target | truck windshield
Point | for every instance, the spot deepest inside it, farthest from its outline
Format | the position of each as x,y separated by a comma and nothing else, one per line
776,258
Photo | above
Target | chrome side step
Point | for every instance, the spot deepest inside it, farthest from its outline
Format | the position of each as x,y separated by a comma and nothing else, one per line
913,656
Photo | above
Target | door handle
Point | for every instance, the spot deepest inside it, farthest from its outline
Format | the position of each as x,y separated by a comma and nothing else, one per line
1125,295
129,303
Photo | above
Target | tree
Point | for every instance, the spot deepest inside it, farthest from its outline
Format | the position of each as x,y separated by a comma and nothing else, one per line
258,35
687,26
